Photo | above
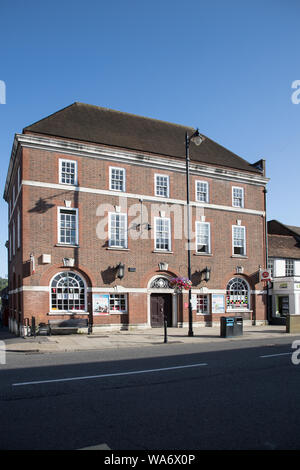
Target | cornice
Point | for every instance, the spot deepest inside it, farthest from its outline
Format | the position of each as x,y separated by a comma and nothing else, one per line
68,147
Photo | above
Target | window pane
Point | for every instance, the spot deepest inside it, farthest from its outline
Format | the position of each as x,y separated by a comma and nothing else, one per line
118,230
202,237
202,191
68,226
289,267
202,303
238,197
117,179
65,292
68,172
237,295
162,186
162,241
239,242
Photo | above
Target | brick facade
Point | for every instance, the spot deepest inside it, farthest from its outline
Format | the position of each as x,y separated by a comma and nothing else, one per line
39,194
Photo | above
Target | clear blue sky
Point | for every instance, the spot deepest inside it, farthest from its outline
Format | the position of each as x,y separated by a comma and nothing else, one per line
224,66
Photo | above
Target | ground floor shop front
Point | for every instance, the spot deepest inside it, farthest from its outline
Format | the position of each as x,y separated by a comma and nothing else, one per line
69,296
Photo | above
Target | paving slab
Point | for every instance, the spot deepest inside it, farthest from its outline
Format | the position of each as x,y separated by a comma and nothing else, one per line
133,338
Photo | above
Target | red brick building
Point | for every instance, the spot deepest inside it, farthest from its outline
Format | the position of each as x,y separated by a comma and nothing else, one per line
97,223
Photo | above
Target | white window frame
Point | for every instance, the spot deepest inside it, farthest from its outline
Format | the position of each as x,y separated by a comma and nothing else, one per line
245,240
198,224
120,214
159,175
59,209
208,304
123,170
242,198
230,308
206,192
119,311
65,160
288,269
63,312
169,233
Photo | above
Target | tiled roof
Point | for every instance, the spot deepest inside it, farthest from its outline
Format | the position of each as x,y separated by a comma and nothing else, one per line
98,125
283,240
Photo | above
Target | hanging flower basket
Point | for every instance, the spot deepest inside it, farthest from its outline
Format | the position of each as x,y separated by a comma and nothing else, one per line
180,283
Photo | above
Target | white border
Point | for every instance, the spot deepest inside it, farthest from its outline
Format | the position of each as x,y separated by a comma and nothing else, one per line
155,185
61,160
197,223
243,196
68,312
245,241
58,225
170,235
124,179
207,191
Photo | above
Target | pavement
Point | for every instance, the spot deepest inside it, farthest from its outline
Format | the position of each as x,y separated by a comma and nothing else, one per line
133,338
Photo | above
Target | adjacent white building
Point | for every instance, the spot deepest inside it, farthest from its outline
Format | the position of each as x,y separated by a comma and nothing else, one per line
284,263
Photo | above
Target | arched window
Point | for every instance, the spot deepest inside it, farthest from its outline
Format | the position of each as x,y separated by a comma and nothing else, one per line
237,294
68,292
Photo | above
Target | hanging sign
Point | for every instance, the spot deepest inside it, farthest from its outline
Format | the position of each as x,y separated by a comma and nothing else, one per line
265,275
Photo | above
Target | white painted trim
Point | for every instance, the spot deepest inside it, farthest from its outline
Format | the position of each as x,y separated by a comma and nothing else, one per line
134,157
128,290
140,196
124,176
207,186
155,185
170,235
243,197
197,224
69,312
59,208
245,240
125,228
61,160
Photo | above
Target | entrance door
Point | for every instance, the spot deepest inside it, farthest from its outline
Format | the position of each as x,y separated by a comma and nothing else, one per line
161,304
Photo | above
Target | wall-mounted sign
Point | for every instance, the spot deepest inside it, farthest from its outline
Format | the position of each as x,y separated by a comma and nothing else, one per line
218,303
283,285
100,304
265,275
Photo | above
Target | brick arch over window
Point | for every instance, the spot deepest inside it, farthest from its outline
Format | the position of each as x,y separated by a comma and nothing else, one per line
54,269
151,274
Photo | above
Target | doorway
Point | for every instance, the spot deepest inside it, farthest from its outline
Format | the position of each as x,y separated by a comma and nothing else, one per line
160,305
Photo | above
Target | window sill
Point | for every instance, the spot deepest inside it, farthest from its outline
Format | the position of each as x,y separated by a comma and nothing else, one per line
66,245
165,252
239,256
236,310
65,312
203,254
117,248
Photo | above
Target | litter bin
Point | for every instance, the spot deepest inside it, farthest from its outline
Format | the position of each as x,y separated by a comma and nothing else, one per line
227,327
238,326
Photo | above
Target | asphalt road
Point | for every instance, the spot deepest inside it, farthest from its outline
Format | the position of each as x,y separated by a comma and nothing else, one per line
169,397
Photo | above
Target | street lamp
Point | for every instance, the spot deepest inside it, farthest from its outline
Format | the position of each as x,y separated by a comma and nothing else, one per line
197,139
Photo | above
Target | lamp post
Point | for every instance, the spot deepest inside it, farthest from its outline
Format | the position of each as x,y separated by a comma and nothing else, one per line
197,139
